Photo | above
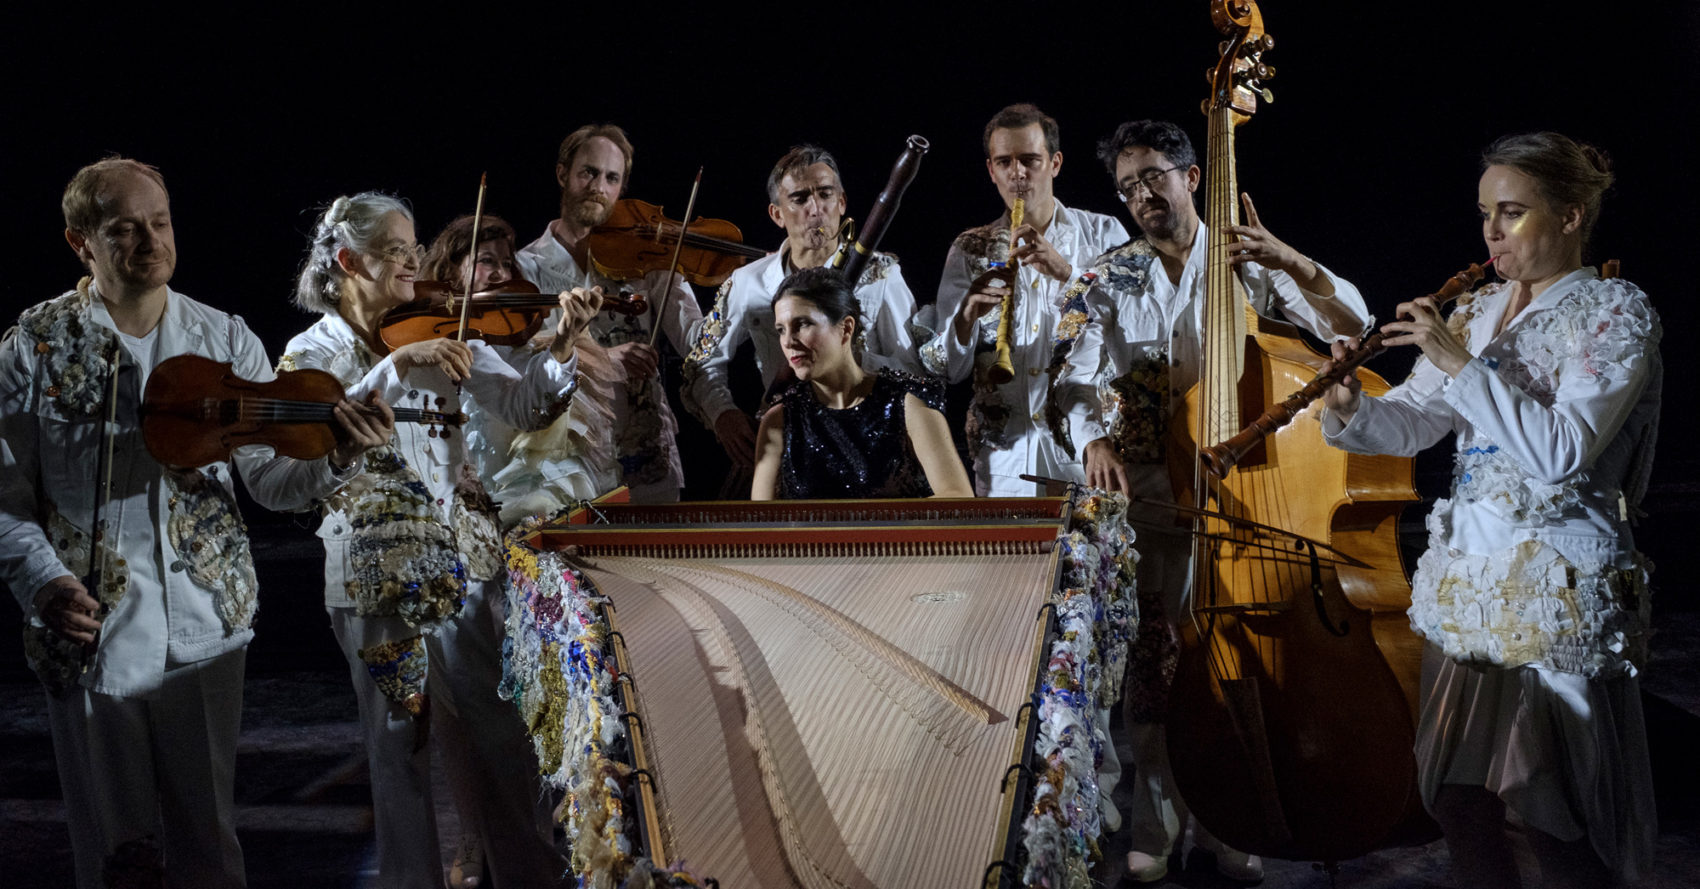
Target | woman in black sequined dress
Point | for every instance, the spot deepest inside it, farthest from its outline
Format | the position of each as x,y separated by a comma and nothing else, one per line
839,432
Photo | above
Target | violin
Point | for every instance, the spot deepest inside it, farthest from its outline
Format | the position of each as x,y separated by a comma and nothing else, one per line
638,238
196,410
508,316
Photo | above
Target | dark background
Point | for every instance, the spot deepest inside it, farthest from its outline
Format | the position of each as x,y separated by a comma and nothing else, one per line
1367,160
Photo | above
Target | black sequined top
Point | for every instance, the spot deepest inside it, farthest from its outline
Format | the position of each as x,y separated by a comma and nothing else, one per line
857,452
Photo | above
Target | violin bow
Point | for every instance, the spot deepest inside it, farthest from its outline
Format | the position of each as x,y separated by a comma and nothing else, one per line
472,256
102,500
673,267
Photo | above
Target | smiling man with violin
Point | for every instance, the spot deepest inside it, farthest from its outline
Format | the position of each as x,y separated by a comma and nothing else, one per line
592,167
140,637
805,198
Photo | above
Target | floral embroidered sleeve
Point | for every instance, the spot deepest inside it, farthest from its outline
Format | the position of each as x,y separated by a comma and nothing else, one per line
943,356
1578,371
705,391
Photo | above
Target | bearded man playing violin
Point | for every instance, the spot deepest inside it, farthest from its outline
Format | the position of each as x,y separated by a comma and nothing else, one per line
143,656
806,199
592,166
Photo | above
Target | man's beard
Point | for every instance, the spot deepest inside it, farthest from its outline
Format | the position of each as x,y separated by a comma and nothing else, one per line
587,211
1163,227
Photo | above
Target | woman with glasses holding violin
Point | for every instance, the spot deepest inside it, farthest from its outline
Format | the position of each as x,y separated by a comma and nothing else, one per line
412,549
1531,596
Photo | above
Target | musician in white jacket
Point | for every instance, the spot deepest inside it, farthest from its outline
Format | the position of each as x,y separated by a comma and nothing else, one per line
806,198
143,664
412,547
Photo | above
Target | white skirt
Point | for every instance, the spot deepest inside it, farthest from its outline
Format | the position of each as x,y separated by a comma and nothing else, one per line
1566,754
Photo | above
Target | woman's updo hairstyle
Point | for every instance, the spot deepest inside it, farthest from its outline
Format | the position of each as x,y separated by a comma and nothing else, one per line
827,289
450,249
1567,172
352,222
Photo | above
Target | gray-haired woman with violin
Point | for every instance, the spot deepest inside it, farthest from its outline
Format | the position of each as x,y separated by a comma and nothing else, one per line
1531,595
412,549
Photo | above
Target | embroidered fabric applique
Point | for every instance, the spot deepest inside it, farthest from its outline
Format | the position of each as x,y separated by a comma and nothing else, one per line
210,537
399,667
1530,605
1125,269
404,561
78,353
58,661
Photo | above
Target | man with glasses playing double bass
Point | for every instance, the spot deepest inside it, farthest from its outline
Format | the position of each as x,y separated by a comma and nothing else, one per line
1135,358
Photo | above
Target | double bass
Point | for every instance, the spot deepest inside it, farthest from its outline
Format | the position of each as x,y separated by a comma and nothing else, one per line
1293,710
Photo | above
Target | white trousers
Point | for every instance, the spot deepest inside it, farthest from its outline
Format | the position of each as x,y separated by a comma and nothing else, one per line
485,750
156,770
1156,816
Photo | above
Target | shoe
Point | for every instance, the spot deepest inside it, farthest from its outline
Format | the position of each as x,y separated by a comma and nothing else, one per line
467,872
1111,818
1239,866
1143,868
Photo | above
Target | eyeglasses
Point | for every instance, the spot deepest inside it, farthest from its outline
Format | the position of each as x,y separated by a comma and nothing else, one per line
402,254
1127,190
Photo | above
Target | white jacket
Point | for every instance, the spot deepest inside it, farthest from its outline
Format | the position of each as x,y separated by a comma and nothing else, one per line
530,401
645,432
1007,422
1532,559
180,581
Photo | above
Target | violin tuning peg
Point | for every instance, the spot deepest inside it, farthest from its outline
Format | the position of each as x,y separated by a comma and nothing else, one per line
1268,97
1265,72
1265,43
432,432
1210,75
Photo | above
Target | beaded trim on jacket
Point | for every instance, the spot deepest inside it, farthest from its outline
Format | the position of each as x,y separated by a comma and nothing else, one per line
1125,269
77,353
404,561
54,658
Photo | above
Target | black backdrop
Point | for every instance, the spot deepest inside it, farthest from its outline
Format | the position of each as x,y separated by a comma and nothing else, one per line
1367,160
